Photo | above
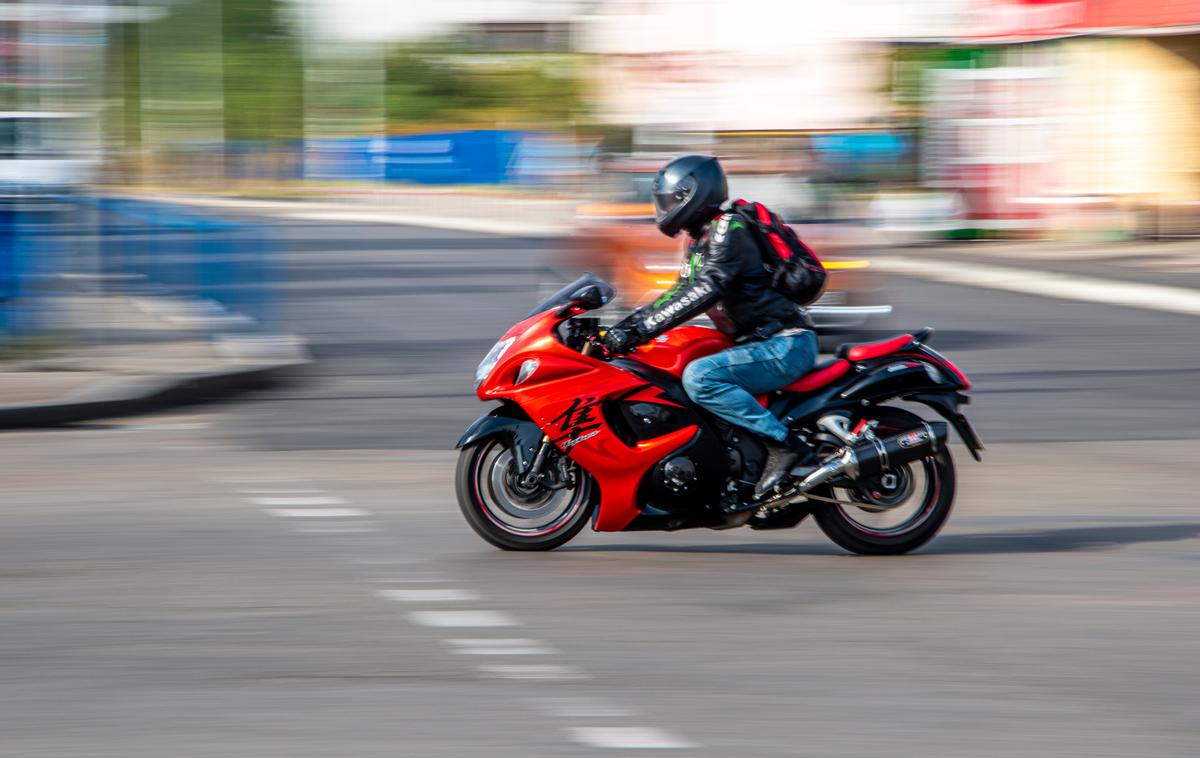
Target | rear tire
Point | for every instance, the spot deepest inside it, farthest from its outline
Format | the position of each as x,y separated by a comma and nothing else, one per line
933,508
514,519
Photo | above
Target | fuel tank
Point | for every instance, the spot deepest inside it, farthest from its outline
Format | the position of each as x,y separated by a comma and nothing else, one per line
674,350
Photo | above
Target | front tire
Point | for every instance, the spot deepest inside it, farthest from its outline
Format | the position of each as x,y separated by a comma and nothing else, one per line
860,531
512,517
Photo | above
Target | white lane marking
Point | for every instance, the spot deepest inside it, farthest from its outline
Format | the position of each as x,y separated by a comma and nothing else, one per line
316,512
439,595
296,501
462,618
582,707
627,737
1027,281
498,647
537,671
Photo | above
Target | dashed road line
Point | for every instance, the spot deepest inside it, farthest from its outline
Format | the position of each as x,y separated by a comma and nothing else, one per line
439,595
316,512
463,618
498,647
309,504
627,737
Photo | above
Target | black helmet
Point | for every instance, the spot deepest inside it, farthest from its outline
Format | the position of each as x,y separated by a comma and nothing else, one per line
687,191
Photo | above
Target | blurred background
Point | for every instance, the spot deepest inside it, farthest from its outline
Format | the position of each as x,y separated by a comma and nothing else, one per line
322,213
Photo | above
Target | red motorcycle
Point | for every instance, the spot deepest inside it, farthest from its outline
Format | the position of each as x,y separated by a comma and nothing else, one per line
582,435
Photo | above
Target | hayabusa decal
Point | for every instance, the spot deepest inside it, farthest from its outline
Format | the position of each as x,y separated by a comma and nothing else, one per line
577,422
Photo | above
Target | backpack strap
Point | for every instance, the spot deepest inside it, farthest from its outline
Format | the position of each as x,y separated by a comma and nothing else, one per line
764,221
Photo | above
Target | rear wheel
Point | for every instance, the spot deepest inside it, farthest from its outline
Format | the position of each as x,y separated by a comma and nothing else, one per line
514,516
896,512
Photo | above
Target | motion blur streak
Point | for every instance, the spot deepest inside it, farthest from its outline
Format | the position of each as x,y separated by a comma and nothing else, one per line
251,252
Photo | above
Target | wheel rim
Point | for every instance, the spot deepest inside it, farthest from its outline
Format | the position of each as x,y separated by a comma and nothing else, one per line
920,486
518,510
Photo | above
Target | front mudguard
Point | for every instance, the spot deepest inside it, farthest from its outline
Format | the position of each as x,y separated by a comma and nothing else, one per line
510,423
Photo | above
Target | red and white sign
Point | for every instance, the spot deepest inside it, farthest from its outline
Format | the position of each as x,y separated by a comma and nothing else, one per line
1018,20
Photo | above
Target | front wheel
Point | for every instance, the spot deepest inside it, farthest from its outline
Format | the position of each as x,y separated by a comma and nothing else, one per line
901,509
511,515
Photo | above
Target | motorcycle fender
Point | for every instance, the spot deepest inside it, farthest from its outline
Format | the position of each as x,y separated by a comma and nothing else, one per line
523,435
901,377
946,404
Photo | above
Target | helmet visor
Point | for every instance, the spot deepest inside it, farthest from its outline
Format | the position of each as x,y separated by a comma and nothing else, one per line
668,198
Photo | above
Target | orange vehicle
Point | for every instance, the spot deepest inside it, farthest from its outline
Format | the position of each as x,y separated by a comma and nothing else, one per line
617,240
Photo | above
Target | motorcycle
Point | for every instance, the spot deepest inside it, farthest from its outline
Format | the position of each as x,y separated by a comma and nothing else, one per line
582,435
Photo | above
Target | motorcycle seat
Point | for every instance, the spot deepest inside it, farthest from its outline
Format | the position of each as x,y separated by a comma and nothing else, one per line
864,351
821,375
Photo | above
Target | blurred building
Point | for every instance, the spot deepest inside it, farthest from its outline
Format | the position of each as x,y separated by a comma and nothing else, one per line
537,36
763,65
1065,114
51,66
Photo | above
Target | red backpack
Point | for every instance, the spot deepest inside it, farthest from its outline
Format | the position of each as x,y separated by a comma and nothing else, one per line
796,272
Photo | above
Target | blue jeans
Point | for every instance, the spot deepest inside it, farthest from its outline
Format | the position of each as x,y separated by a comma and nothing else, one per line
726,383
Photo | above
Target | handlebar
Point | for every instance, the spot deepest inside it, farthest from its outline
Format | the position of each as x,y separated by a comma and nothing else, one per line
586,336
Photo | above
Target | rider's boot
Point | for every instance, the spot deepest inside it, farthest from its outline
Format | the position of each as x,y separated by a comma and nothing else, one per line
782,457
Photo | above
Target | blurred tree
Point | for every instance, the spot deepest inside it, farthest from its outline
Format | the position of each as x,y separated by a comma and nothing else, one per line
263,71
441,82
253,48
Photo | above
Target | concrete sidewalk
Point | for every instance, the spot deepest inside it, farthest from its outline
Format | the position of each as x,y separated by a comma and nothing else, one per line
133,355
522,215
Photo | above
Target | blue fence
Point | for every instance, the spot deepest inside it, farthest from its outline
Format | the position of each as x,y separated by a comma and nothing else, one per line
131,246
168,249
12,278
30,252
482,156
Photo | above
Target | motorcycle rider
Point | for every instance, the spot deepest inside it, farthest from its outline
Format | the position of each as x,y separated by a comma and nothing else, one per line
724,274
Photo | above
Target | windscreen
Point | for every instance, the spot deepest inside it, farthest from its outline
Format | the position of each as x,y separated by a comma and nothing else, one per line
563,296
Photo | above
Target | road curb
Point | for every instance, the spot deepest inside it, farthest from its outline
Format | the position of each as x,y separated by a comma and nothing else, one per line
146,394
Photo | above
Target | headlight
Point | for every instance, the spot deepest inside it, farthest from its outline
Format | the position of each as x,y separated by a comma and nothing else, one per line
491,359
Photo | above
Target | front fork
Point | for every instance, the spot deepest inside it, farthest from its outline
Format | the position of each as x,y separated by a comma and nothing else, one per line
536,476
535,472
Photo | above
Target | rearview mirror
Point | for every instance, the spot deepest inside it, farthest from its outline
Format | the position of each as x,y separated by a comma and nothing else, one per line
588,297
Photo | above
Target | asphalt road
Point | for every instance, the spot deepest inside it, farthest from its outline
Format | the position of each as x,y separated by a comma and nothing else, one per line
288,575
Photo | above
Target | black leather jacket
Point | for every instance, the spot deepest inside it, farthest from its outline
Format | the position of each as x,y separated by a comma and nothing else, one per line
723,273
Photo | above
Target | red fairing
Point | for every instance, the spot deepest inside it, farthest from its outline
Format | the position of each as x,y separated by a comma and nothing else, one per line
894,345
673,351
871,350
816,379
946,364
942,362
564,396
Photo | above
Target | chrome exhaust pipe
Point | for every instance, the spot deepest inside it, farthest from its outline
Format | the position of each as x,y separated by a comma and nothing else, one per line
871,456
